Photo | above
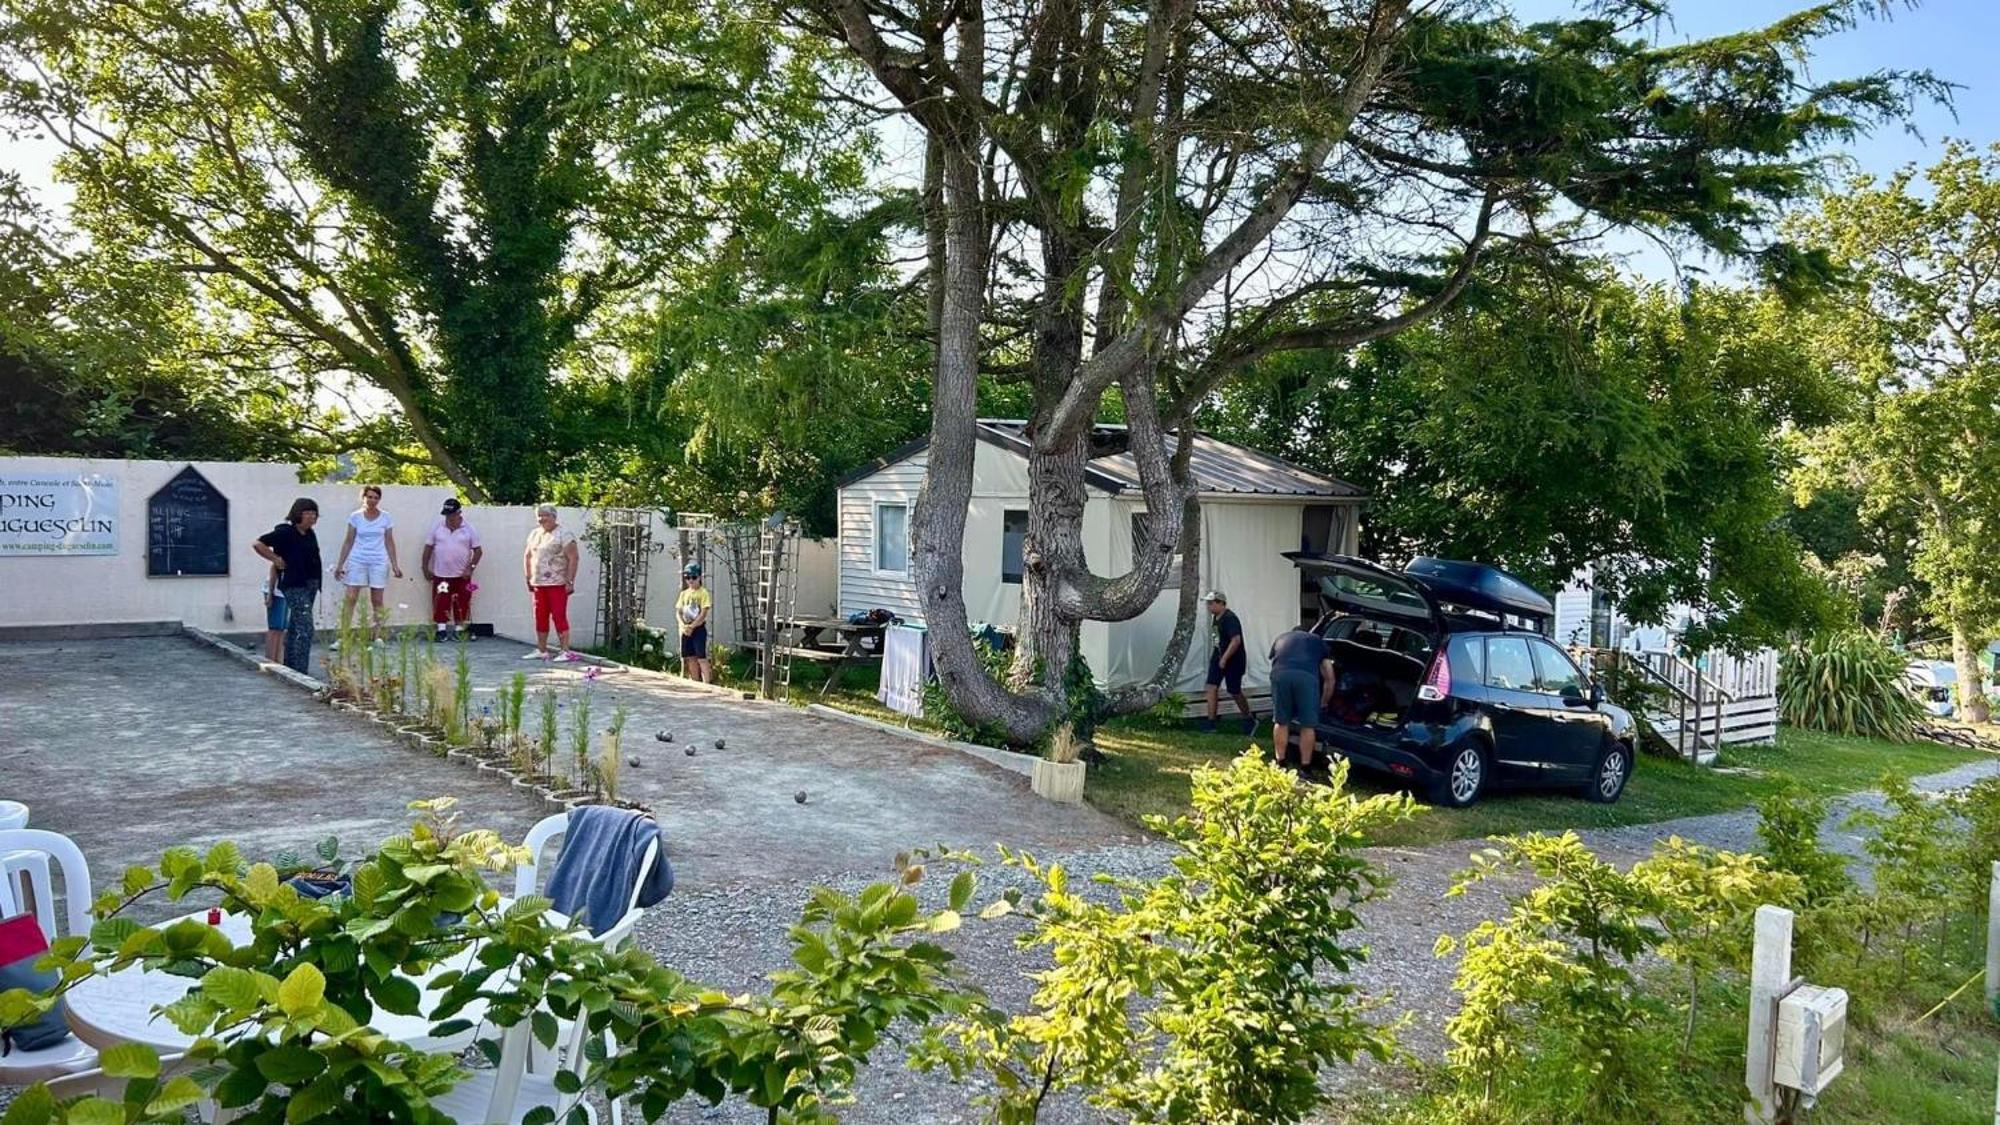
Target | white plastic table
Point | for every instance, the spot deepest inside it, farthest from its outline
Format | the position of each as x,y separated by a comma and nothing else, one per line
120,1007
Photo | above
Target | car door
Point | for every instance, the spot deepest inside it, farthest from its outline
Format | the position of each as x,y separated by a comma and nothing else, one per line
1522,727
1576,728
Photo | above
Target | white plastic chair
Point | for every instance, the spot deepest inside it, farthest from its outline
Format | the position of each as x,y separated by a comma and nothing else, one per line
527,881
527,877
23,868
24,1068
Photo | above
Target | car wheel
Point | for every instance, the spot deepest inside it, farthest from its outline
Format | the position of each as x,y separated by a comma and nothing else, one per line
1464,779
1607,780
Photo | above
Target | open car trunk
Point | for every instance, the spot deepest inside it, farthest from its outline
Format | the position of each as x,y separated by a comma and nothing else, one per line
1381,630
1383,627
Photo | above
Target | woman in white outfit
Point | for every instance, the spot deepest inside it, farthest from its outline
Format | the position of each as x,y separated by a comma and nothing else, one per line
367,557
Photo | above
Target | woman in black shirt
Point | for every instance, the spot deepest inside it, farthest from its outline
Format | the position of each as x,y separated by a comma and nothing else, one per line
294,550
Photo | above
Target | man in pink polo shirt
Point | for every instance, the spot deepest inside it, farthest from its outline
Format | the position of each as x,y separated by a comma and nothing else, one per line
451,553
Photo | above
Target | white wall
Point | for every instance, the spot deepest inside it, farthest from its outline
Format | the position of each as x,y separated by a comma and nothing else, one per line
76,590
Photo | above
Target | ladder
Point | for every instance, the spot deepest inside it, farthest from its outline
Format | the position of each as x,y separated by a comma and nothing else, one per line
777,599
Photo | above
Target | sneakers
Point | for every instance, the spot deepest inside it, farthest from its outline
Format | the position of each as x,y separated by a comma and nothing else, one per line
1250,727
1208,727
538,654
568,656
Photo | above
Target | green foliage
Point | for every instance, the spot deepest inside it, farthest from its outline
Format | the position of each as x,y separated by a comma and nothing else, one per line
1918,338
545,745
1549,423
1557,977
939,709
281,1021
515,698
579,740
1084,704
1788,824
463,208
1215,993
1845,682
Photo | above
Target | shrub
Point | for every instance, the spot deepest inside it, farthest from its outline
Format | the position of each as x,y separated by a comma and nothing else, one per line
278,1020
1846,682
1202,995
1557,974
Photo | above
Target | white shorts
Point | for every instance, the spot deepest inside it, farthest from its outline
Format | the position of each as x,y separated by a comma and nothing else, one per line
374,575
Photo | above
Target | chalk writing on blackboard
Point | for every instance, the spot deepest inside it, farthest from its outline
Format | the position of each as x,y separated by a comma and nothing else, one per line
187,528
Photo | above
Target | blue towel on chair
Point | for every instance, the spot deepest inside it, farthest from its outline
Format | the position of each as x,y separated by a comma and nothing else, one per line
599,863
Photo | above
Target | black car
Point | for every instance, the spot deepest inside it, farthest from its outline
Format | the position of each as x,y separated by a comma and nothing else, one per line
1445,678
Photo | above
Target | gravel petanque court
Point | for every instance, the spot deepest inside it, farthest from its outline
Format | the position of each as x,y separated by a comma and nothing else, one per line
187,745
134,744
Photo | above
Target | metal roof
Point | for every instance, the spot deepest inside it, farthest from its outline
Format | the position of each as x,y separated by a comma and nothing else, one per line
1218,466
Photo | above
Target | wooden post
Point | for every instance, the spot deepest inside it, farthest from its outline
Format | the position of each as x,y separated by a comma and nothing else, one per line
1993,934
1770,973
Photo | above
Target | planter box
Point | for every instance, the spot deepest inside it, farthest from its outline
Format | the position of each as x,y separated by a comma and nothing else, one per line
1058,781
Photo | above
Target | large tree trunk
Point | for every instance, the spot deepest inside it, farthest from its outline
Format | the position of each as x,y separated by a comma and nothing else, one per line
938,526
1965,649
1052,557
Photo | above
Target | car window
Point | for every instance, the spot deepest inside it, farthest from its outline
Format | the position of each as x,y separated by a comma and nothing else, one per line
1559,675
1508,664
1468,659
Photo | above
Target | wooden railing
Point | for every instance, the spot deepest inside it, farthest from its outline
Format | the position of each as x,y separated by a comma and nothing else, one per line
1693,708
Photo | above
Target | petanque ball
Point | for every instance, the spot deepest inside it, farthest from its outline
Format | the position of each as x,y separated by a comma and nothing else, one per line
800,796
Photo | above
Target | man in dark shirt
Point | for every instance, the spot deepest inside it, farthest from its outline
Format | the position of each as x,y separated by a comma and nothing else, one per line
1301,683
294,550
1227,662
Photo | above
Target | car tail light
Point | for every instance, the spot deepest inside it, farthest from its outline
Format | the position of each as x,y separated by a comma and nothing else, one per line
1437,681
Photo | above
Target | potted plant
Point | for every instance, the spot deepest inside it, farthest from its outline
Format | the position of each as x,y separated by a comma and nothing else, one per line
1059,777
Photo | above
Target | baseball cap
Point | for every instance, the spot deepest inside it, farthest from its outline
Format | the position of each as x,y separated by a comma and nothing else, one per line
1217,596
691,570
451,505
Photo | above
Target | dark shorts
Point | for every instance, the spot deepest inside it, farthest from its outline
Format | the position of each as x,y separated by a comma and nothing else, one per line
1295,698
278,614
694,646
1229,675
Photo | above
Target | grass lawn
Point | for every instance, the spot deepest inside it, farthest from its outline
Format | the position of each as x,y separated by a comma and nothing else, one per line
1150,761
1150,764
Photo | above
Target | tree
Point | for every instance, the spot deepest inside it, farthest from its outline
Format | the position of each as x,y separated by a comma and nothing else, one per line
82,367
1545,424
437,203
1919,334
1144,200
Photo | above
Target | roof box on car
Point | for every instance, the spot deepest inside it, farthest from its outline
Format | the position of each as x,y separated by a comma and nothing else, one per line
1478,586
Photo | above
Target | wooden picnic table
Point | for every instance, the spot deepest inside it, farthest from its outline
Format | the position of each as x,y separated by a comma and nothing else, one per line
850,643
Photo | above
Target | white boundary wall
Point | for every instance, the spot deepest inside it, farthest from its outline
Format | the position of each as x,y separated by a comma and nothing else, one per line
107,589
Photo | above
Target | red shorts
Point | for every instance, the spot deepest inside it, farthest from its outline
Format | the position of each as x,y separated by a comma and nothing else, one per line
454,602
551,605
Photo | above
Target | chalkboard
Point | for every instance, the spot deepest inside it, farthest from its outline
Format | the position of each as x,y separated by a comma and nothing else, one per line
187,528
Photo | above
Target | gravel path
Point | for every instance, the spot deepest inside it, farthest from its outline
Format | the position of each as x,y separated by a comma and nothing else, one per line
732,938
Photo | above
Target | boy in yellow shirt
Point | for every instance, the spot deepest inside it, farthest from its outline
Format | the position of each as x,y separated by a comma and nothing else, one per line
692,609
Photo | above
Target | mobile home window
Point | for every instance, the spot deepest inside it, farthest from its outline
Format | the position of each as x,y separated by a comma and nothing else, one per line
1013,544
892,538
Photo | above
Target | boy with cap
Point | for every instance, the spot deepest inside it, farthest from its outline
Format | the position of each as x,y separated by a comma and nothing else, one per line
692,609
451,553
1227,662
